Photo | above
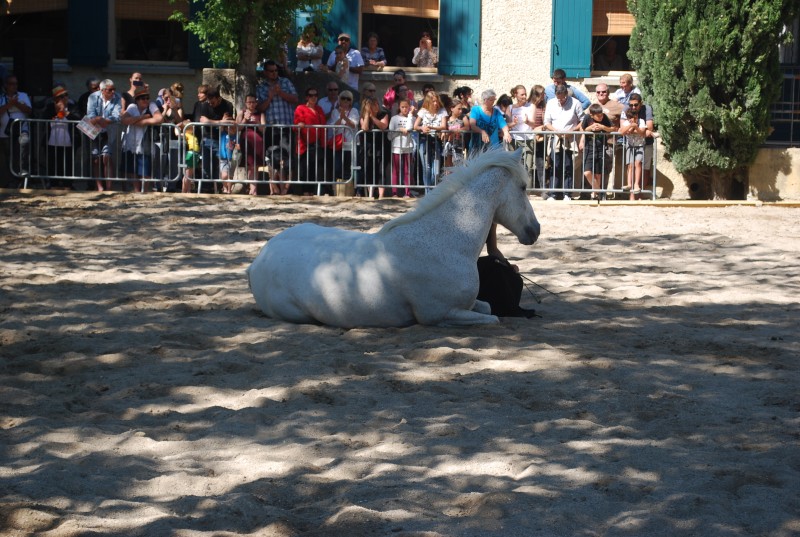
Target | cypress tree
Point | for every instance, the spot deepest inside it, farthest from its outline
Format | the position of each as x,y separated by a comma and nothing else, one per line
711,71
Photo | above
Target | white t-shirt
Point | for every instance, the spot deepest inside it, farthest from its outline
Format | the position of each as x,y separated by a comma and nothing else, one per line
521,113
354,116
310,49
355,59
634,140
401,143
135,134
431,120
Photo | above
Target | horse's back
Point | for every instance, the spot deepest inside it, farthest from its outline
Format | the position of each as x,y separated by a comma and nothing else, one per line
311,273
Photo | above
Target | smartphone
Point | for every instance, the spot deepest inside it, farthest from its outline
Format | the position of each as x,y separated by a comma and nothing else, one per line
138,83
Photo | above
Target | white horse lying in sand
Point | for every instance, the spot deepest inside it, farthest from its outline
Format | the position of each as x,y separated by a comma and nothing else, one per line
419,268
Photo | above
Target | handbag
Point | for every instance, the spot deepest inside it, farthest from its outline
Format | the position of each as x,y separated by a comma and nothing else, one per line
335,143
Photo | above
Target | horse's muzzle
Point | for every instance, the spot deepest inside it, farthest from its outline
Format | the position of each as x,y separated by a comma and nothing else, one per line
530,234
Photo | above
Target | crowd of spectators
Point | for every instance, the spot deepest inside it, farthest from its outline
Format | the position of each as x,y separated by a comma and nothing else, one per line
404,140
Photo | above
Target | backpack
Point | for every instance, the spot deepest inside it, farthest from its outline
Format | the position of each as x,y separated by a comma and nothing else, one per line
501,287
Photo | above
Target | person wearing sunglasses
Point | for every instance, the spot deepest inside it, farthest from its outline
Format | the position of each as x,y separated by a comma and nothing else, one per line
277,96
346,118
310,152
139,117
354,59
14,104
103,110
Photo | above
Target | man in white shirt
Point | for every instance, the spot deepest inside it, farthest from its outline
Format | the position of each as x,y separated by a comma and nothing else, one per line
353,57
626,89
13,105
331,99
563,113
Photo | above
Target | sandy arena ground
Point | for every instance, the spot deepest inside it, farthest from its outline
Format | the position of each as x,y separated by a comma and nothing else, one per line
142,393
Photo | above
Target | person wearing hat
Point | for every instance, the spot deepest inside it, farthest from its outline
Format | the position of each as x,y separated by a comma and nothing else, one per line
59,138
140,115
354,59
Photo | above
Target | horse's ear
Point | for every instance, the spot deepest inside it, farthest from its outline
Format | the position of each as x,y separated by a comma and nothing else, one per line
518,153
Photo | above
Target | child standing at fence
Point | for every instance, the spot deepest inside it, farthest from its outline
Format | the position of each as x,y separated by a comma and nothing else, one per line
593,144
227,164
400,128
634,127
192,159
457,127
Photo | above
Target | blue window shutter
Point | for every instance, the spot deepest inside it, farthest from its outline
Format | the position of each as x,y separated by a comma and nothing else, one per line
88,47
572,37
343,18
459,37
197,57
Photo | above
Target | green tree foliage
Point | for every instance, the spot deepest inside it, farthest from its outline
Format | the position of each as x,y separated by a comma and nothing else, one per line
711,72
237,33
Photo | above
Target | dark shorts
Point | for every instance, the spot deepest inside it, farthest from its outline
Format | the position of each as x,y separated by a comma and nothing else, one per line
138,165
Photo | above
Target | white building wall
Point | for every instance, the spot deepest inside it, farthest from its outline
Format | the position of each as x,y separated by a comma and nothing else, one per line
515,46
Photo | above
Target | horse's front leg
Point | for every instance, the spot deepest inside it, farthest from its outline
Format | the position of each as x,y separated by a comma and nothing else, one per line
482,307
460,317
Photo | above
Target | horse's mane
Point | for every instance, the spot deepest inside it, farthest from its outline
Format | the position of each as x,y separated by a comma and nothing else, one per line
462,175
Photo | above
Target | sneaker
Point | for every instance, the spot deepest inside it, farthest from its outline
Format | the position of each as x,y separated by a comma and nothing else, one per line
567,198
551,198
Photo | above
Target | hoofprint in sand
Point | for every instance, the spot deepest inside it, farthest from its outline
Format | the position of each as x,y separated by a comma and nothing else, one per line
142,393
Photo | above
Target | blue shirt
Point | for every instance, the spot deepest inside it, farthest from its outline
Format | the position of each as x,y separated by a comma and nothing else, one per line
550,93
493,125
279,112
97,107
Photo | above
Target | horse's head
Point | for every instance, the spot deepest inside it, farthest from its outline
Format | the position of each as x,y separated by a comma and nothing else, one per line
514,210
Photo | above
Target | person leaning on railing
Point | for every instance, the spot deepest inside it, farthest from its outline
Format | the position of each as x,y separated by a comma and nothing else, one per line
310,153
60,135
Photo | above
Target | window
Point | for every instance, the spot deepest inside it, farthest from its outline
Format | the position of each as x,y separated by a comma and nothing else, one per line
454,25
612,24
585,32
399,26
143,32
34,20
786,112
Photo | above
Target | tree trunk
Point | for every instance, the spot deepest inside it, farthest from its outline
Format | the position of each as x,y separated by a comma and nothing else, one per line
248,57
715,184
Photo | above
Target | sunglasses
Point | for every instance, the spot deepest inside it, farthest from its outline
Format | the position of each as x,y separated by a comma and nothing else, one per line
312,94
601,91
369,91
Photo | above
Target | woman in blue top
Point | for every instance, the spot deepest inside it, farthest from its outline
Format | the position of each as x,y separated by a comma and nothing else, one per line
488,122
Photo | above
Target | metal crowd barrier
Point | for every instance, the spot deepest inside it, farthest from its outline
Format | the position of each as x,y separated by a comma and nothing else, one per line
550,155
313,159
57,152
